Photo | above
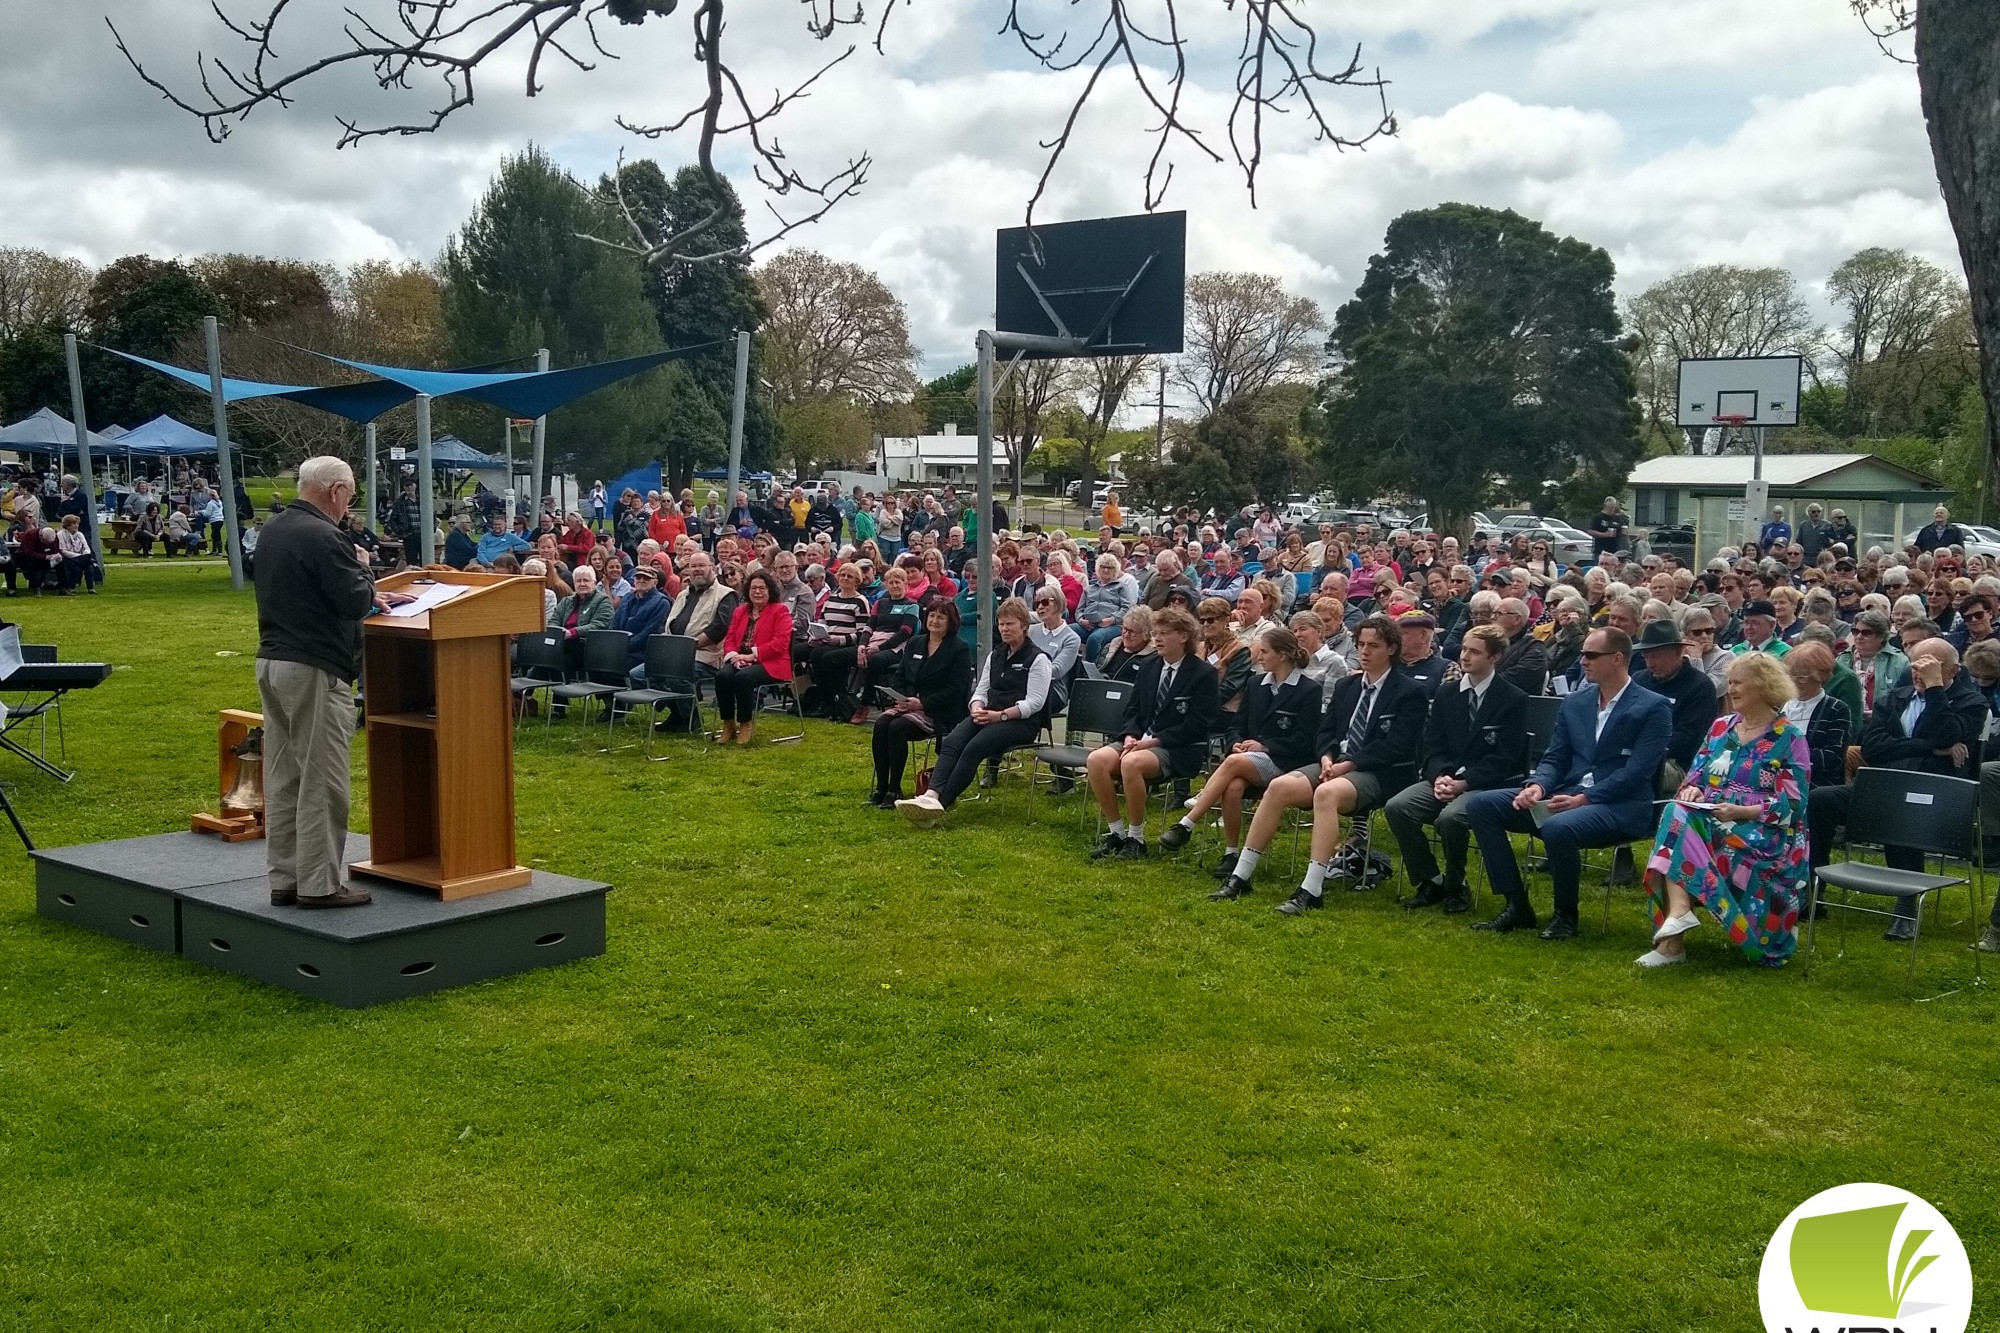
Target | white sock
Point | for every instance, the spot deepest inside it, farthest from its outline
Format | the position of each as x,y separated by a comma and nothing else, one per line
1246,864
1315,878
1137,832
1229,851
1116,827
1187,821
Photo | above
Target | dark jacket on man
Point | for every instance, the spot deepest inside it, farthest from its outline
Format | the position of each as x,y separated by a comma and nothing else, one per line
1428,673
1622,761
1827,736
1525,664
311,593
641,617
1932,537
1692,694
1395,727
1486,749
1284,720
1183,719
1954,714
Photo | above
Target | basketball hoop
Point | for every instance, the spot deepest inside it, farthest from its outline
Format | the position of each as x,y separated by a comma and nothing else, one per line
1733,421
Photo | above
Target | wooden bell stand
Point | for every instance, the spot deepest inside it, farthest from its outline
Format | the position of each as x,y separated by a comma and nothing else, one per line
234,824
440,724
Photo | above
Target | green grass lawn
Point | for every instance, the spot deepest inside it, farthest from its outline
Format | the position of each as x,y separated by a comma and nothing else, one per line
834,1074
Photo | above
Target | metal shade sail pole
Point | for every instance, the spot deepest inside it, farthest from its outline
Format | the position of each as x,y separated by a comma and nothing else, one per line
426,495
368,442
83,474
541,456
983,598
232,533
737,406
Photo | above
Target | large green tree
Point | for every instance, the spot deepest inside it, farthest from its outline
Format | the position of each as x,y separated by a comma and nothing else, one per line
146,306
1256,446
695,303
520,275
1481,353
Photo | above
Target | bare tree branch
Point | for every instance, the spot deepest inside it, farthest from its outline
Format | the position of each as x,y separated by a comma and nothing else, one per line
448,42
1887,20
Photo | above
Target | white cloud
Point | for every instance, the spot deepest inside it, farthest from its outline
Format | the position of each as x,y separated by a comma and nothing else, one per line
1614,122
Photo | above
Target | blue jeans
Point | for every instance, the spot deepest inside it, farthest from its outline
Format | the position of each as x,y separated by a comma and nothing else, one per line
1492,817
1093,642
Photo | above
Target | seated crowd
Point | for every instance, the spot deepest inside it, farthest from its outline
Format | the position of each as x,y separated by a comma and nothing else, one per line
1339,671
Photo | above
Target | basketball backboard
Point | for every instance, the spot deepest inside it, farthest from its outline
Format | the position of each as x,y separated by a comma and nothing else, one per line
1763,390
1116,284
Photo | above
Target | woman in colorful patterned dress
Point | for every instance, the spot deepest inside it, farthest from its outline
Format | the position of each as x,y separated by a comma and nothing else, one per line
1745,857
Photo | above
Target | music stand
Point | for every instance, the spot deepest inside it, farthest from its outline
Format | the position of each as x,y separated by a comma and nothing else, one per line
1099,287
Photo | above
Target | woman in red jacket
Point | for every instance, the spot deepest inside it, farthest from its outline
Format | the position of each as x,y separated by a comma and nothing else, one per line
577,541
757,651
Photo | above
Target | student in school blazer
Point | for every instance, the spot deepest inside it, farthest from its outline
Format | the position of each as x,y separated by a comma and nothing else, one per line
1395,733
1183,719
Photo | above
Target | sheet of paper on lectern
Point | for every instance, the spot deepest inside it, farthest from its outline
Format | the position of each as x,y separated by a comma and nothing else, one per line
435,595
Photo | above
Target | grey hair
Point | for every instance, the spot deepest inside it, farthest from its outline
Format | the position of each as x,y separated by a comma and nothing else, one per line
1874,620
1912,603
324,472
1514,605
1484,600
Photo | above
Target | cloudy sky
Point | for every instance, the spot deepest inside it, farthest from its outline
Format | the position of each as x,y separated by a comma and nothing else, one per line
1671,132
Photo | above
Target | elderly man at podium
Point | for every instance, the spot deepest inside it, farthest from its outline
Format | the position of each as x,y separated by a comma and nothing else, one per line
313,590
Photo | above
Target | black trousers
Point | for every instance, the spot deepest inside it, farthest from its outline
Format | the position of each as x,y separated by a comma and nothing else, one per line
1826,811
960,752
736,691
833,675
894,735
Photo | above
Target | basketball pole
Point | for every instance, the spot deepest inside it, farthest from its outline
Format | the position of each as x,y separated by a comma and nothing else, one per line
991,343
983,597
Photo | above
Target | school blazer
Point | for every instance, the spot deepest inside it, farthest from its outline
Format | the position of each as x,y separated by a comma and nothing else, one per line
1395,728
1284,721
1623,763
1487,749
1184,718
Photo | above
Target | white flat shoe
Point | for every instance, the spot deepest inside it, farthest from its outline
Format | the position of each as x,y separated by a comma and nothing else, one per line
923,811
1658,959
1676,925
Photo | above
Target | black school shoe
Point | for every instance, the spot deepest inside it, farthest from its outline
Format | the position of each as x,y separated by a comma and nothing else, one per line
1176,837
1301,902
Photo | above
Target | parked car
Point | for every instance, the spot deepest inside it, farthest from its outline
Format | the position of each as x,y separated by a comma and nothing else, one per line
1074,492
1568,545
1979,539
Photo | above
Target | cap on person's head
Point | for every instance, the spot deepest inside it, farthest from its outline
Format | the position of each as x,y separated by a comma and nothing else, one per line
646,572
1659,634
1760,607
1417,620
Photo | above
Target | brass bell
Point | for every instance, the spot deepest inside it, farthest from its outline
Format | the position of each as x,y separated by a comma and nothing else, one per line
248,793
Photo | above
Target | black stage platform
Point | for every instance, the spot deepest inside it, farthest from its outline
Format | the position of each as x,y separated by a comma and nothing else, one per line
207,900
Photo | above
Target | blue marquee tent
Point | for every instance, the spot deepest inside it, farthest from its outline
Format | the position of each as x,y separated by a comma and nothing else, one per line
164,437
48,432
450,451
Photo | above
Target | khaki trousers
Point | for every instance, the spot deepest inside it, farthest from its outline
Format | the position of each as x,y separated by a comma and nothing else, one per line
308,726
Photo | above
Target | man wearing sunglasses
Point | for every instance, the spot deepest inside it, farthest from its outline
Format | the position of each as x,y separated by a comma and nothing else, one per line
1593,788
1975,615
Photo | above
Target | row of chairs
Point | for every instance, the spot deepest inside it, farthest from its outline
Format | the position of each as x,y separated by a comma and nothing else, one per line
1935,815
602,677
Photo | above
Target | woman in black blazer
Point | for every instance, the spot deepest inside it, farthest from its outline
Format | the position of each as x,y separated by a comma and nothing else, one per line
934,674
1280,721
1827,722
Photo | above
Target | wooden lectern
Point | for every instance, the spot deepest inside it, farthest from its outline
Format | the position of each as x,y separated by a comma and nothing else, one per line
440,724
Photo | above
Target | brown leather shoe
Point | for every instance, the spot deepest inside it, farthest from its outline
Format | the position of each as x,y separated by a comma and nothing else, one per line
348,897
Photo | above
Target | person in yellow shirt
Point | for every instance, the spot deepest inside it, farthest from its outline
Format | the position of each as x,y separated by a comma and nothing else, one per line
1114,517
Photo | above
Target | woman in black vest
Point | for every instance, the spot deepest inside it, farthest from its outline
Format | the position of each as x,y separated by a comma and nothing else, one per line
1013,693
1280,720
934,675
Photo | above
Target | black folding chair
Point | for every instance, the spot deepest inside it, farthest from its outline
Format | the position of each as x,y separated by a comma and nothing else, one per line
607,658
1096,708
670,677
782,696
1931,814
539,664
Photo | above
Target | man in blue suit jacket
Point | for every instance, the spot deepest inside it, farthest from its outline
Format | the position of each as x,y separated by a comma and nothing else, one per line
1598,775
